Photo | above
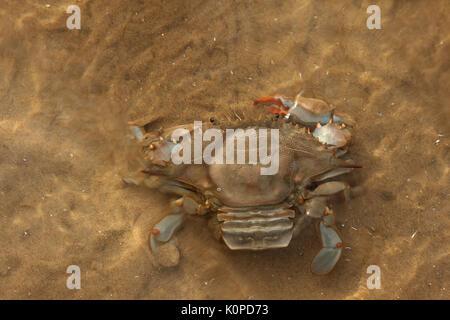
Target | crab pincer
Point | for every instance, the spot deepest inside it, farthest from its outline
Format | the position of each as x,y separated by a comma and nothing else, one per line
309,112
283,103
334,135
277,99
306,111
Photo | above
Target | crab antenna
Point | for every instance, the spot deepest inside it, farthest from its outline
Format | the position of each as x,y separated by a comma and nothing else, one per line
301,81
301,91
331,115
297,97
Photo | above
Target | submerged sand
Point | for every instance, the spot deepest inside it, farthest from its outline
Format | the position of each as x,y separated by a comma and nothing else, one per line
66,97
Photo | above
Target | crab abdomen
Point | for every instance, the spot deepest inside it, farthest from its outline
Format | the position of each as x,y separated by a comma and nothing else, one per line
257,229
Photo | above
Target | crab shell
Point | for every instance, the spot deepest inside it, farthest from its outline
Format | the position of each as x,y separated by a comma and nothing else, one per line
252,211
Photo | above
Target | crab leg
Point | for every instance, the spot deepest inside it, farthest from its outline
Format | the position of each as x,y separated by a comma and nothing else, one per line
161,243
331,251
340,152
315,207
137,131
329,188
136,179
163,231
141,179
161,235
333,173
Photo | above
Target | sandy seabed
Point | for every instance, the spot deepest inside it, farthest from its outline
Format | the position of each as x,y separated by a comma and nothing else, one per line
66,96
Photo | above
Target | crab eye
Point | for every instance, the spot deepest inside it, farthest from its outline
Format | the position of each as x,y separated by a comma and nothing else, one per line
277,115
212,120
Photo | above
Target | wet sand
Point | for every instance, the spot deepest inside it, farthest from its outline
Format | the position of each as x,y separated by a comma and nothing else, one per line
66,97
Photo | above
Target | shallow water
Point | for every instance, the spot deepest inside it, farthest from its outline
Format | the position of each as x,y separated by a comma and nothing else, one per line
66,97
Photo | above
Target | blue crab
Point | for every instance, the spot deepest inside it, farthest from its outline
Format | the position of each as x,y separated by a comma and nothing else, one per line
247,210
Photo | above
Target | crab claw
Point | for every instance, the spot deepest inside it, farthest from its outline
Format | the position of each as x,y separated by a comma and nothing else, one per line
307,118
162,152
309,112
158,149
137,130
275,110
332,134
278,100
284,104
331,251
